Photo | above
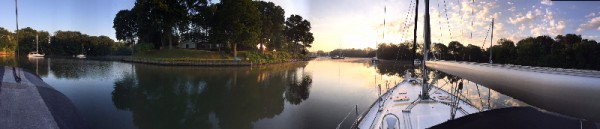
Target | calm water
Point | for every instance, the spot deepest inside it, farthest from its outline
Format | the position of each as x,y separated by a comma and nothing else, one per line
315,94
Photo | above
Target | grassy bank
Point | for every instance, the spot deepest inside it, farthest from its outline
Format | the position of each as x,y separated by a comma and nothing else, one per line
211,58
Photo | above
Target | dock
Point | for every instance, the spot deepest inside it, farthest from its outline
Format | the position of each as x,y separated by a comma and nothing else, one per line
33,104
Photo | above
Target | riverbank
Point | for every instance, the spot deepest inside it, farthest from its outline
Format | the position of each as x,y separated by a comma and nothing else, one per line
185,57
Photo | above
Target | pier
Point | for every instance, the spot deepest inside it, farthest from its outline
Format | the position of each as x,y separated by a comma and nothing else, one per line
33,104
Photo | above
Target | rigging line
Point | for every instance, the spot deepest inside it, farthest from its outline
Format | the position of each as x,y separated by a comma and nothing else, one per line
384,16
478,94
408,13
447,20
461,17
489,96
486,35
440,21
472,17
404,27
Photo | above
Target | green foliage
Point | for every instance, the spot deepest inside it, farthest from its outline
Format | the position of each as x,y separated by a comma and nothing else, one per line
68,43
181,54
297,31
271,57
143,48
236,22
7,41
563,51
273,19
125,26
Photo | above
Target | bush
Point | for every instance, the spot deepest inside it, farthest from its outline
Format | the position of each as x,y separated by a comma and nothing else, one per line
143,47
123,51
268,57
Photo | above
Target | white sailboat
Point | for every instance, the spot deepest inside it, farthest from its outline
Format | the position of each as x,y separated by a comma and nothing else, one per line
81,56
416,102
36,54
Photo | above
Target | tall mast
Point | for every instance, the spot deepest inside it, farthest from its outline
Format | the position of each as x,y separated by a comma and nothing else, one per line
17,31
384,15
414,49
36,44
427,36
491,41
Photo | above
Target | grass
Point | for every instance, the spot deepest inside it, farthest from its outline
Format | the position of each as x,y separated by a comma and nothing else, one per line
198,55
183,54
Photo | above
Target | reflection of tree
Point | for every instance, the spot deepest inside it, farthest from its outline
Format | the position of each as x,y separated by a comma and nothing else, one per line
35,65
71,68
392,67
298,91
183,97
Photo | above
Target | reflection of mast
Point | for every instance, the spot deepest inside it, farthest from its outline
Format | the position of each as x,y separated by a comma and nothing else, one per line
427,36
414,48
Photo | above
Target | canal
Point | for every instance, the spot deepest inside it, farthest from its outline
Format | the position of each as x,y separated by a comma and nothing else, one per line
314,94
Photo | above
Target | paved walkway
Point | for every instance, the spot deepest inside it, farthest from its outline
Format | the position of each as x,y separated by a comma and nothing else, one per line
31,104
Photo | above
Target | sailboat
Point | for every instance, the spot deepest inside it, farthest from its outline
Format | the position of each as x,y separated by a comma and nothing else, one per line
35,54
416,102
81,56
339,56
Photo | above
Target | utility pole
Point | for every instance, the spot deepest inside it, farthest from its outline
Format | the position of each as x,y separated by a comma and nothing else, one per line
492,41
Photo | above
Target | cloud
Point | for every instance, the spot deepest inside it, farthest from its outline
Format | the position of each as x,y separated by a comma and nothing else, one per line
546,2
510,3
590,15
522,18
594,37
592,24
512,9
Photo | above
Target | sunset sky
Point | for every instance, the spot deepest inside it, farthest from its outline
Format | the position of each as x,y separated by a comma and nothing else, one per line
351,23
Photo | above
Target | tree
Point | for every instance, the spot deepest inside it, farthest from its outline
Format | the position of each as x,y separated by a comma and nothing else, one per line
456,50
273,19
297,31
473,53
7,41
200,14
440,50
236,22
125,26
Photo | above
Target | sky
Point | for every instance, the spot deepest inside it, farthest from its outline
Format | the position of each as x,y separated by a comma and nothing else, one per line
353,23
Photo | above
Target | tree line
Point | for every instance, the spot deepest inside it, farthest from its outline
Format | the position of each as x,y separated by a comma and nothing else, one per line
562,51
62,43
232,24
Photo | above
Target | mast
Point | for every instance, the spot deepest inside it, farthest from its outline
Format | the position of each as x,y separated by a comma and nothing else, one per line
36,44
17,22
414,49
384,15
491,41
427,36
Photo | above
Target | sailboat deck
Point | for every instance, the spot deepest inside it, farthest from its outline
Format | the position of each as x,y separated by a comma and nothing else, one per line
423,114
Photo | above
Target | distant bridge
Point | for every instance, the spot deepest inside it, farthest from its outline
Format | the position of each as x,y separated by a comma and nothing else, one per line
567,91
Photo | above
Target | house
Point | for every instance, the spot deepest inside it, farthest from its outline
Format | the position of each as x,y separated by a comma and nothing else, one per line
199,45
187,45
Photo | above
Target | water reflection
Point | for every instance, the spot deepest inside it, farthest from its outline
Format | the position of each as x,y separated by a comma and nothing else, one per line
316,94
176,97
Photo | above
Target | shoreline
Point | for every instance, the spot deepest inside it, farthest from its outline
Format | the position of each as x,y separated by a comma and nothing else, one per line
208,62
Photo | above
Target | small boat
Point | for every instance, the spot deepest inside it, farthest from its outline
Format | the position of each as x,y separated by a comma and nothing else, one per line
80,56
417,62
34,55
337,57
374,59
